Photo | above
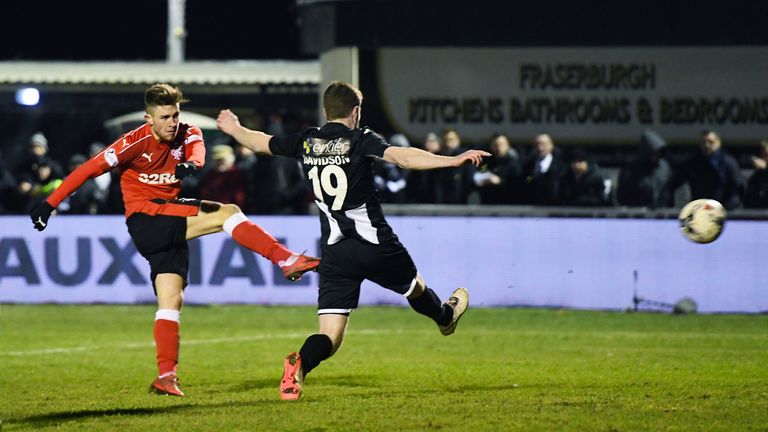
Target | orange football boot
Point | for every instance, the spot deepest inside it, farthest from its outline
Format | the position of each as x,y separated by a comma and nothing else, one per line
293,376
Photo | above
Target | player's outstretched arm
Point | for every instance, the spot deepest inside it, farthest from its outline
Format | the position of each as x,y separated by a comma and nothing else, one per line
94,167
417,159
257,141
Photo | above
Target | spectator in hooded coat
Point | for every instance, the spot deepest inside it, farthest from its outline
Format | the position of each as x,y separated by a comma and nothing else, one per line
642,182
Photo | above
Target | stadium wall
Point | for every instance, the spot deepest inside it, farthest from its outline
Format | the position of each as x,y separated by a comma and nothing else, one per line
555,262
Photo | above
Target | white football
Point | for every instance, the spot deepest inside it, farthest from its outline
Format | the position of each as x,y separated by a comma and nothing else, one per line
702,220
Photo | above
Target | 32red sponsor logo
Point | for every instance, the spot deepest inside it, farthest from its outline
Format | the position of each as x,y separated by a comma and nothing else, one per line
157,178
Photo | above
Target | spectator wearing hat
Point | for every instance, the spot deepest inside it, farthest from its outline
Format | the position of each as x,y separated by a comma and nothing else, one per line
225,182
642,182
38,144
37,157
583,184
38,148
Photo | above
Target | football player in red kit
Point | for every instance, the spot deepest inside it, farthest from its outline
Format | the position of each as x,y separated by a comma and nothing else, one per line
152,161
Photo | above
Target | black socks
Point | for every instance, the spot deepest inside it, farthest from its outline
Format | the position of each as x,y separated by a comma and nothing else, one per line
316,348
428,304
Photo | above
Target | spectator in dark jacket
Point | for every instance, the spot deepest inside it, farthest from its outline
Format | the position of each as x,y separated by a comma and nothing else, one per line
757,186
712,173
498,180
642,182
456,182
424,186
7,188
542,173
582,184
42,180
280,186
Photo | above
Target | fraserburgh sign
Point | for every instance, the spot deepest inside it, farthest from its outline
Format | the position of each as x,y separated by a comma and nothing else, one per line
578,94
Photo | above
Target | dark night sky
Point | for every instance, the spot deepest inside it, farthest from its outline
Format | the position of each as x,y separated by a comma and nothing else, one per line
136,29
251,29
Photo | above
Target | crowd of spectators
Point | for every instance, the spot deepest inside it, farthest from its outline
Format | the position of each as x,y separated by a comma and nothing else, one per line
539,173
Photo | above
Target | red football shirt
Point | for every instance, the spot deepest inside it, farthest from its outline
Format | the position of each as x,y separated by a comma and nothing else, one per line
146,169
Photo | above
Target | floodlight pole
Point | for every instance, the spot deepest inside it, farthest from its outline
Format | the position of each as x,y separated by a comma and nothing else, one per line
176,31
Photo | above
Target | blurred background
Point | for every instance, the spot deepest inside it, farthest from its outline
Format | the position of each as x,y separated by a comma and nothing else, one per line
591,109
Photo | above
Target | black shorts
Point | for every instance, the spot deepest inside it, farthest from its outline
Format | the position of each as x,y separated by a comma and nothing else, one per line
162,240
347,263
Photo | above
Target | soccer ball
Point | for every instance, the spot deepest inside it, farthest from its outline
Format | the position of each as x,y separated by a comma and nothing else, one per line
702,220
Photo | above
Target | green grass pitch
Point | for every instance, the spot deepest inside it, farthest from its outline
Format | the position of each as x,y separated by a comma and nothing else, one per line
89,367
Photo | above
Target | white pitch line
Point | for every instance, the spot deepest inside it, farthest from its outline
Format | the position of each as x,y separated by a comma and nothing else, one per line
268,336
46,351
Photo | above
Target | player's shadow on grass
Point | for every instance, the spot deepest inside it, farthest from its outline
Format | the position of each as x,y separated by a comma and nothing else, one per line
272,383
56,418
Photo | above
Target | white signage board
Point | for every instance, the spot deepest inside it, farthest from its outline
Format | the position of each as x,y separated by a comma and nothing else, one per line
556,262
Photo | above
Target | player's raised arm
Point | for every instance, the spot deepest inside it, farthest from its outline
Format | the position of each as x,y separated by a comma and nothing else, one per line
94,167
257,141
417,159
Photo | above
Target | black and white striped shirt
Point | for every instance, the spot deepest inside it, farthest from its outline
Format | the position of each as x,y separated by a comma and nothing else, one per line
338,164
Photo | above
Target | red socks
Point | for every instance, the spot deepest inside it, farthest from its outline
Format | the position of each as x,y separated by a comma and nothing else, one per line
251,236
167,340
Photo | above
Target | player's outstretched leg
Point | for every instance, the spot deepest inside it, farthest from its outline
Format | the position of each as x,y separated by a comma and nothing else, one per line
298,264
446,315
459,302
255,238
215,217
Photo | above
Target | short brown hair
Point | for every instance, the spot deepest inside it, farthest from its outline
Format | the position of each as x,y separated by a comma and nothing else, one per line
163,94
340,98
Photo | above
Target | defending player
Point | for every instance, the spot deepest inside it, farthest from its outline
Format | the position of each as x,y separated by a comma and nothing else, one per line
152,160
357,242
